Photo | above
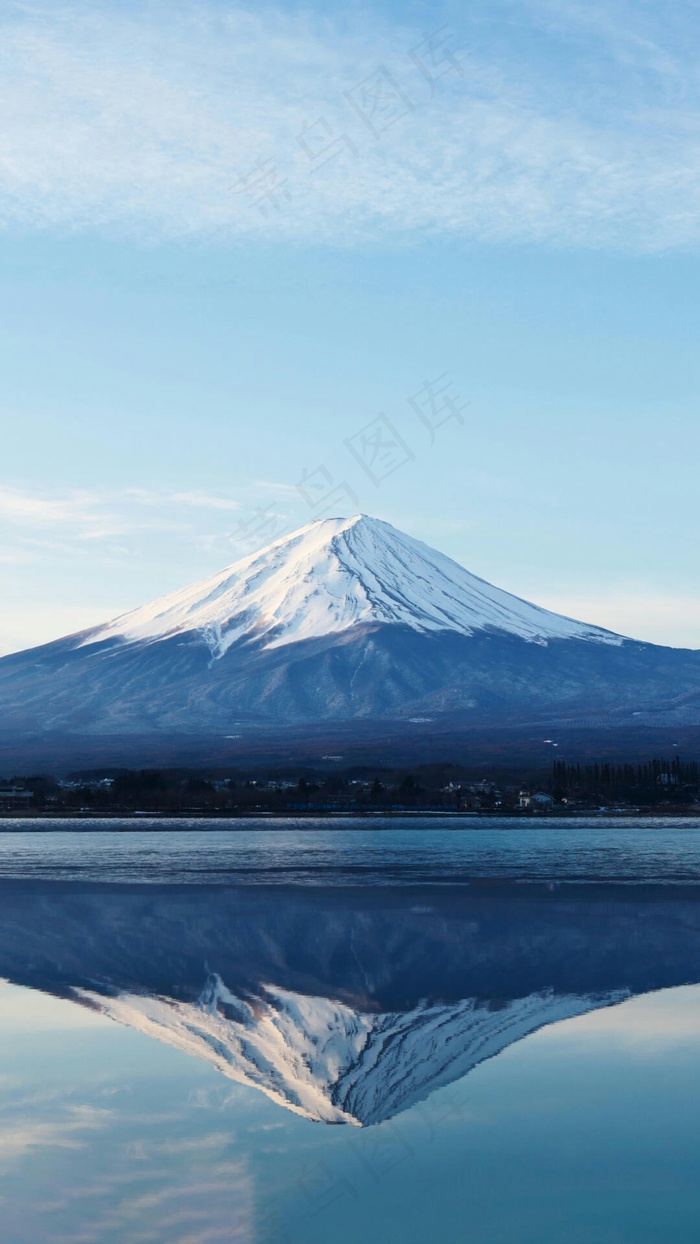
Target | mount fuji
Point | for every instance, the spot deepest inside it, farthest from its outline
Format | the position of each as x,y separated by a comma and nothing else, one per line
347,620
344,1004
331,576
328,1062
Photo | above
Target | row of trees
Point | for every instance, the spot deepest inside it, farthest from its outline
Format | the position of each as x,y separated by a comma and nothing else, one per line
176,791
655,781
180,792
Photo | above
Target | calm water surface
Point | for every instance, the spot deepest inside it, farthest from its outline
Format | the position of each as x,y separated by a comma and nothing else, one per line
378,851
192,1051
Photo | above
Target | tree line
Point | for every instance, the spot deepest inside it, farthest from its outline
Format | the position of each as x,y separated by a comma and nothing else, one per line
653,781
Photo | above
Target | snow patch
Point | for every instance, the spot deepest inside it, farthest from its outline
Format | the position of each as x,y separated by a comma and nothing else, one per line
332,575
328,1062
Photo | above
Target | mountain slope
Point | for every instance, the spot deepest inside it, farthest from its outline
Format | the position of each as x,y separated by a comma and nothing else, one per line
344,620
345,1003
332,575
328,1062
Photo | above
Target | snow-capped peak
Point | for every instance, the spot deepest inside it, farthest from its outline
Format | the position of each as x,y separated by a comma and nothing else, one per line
328,1062
331,575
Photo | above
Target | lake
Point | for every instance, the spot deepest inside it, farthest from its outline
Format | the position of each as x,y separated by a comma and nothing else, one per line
382,1030
368,850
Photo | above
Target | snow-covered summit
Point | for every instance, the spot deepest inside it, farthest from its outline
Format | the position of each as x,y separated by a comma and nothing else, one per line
328,1062
331,575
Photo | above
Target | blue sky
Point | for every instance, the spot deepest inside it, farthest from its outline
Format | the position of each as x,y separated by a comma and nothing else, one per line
232,237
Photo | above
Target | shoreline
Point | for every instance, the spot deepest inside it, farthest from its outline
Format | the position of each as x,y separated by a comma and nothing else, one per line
9,819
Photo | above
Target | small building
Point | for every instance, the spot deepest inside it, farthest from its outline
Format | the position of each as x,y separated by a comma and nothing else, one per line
538,802
14,797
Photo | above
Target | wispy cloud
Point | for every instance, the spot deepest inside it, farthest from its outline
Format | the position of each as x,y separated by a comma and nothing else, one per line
19,1137
40,510
630,34
161,122
33,520
198,500
90,534
190,1205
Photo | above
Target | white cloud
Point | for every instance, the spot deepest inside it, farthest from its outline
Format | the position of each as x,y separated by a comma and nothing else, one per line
621,32
20,1137
37,510
137,528
204,501
146,121
195,1201
93,516
90,535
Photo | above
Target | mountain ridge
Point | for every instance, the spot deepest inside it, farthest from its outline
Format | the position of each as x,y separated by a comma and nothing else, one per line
345,621
329,1062
333,574
405,990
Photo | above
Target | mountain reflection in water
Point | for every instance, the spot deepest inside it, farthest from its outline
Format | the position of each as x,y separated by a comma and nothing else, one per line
346,1005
